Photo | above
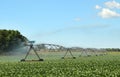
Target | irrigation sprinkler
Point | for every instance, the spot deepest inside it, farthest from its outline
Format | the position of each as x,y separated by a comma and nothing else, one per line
50,47
68,50
54,47
84,52
93,52
31,47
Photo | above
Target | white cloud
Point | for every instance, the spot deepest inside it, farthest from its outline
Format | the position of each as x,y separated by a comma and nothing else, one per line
107,13
77,19
112,4
97,7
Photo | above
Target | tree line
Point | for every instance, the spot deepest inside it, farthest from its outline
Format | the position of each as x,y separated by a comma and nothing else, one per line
10,39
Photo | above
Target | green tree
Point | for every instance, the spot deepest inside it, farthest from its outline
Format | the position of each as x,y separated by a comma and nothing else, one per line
10,39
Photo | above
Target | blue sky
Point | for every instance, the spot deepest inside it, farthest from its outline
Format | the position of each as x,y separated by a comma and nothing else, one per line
83,23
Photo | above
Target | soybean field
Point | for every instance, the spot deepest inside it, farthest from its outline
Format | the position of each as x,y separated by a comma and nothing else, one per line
53,66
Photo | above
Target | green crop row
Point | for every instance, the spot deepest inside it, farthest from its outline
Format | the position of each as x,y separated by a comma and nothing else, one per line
86,67
94,66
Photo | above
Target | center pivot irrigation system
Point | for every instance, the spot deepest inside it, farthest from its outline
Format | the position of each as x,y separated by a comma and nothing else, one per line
58,48
52,47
